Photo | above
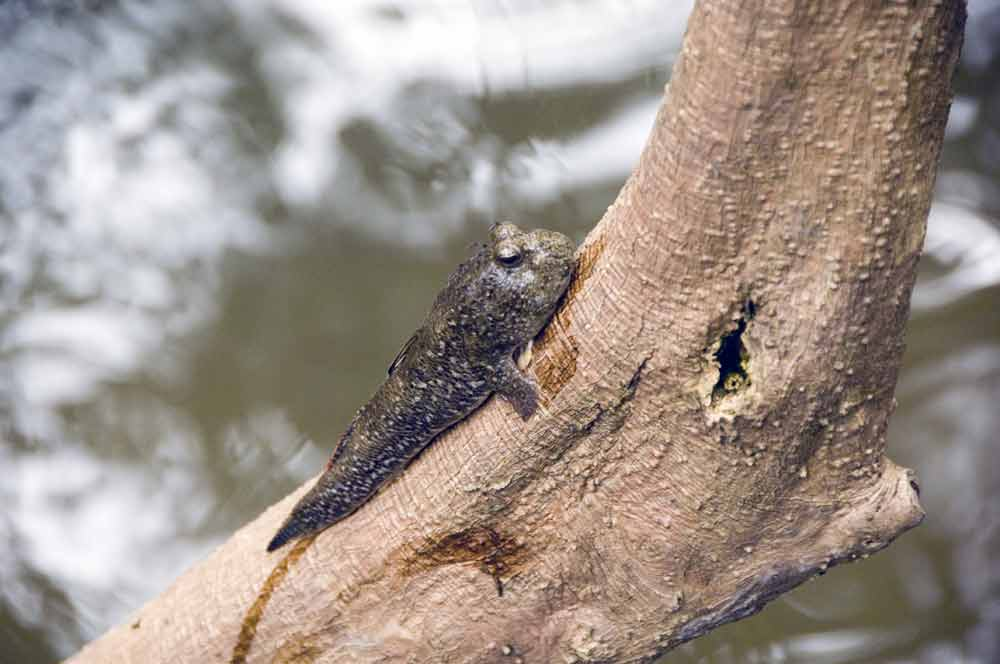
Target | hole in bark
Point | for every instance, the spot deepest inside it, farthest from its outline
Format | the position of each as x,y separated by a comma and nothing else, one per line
733,358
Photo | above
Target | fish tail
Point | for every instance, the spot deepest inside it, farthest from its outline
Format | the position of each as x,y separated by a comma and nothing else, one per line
324,505
288,532
308,516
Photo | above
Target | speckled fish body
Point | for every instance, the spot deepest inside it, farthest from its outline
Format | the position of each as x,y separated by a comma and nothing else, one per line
493,305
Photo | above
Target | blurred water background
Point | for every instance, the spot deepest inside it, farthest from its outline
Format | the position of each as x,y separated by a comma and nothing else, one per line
219,221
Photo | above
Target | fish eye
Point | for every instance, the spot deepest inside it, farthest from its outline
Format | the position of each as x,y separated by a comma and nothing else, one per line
509,257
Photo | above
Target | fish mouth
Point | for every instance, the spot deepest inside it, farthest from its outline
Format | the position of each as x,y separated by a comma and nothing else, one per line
565,278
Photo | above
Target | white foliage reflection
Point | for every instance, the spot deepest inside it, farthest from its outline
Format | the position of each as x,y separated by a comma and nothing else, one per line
149,147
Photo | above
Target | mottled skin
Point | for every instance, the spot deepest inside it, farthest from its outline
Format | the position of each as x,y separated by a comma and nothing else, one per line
493,305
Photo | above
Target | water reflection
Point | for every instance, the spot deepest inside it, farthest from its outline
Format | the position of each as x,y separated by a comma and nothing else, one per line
219,223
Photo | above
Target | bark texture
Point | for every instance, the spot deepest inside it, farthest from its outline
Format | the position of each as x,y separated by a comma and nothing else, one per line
716,387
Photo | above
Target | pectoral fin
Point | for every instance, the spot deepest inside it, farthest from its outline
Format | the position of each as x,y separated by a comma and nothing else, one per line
519,389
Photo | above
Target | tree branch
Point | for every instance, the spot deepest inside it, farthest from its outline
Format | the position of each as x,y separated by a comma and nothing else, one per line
717,386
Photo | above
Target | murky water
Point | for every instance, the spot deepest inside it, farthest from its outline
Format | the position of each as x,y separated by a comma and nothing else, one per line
220,222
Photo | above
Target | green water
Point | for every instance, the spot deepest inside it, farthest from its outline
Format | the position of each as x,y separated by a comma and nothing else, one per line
220,224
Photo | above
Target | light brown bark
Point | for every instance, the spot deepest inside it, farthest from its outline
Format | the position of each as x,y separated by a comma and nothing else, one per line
781,200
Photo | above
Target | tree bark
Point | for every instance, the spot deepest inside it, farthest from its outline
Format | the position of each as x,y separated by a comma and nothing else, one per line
716,387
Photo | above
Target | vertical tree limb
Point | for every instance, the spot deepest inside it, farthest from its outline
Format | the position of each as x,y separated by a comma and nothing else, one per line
717,386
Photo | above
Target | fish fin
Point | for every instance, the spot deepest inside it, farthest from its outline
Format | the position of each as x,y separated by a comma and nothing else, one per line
401,355
519,389
280,539
321,507
296,525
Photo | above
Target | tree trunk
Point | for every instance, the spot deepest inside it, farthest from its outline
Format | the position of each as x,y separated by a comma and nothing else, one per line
716,387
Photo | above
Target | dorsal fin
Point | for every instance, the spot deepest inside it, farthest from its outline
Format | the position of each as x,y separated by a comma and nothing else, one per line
401,355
